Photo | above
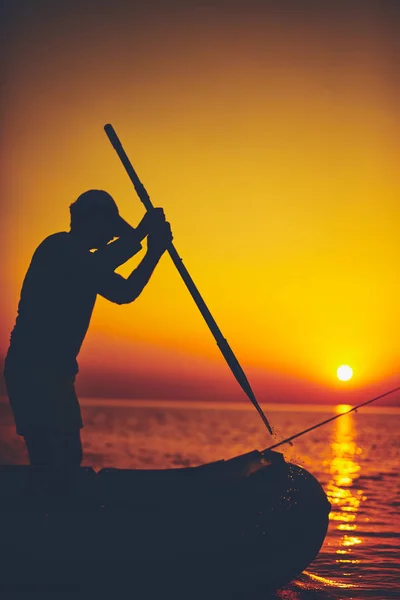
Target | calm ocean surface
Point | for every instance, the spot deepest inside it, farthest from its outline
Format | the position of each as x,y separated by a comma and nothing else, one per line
356,459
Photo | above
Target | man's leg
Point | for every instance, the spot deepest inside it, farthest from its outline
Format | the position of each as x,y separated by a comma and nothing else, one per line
37,445
61,453
68,449
54,448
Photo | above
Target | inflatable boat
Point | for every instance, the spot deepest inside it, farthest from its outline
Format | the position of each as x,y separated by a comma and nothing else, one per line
226,529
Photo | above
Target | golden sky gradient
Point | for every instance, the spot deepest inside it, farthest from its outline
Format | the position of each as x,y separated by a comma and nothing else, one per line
269,133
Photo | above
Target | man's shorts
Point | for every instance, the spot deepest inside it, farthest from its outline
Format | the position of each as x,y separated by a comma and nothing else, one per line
42,399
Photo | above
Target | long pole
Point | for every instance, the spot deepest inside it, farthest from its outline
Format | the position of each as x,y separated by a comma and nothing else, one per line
215,330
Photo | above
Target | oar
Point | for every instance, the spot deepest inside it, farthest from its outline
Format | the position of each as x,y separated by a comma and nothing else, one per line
219,338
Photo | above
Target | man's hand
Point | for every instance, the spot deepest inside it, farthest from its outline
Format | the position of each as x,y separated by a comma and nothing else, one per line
151,221
159,239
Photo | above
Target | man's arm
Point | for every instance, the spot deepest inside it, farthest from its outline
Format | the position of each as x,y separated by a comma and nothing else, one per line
119,290
128,243
118,252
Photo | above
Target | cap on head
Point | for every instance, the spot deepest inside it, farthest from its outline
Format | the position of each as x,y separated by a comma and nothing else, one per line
91,203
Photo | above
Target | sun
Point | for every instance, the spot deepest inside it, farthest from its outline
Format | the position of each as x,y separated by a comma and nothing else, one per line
344,373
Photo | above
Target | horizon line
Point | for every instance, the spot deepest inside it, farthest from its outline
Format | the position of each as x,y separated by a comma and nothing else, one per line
235,405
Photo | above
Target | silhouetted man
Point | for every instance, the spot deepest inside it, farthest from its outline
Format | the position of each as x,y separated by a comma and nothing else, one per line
57,299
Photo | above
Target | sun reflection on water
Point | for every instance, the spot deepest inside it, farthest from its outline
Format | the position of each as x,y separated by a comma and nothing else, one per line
344,469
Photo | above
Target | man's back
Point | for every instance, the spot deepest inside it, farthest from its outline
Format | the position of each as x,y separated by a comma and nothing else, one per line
55,307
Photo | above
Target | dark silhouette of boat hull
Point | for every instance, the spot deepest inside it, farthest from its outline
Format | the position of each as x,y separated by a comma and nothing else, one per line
251,523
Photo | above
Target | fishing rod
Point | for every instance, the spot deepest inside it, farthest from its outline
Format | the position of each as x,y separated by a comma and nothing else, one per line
222,343
293,437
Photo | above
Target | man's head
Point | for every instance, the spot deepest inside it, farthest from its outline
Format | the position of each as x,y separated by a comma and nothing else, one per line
95,218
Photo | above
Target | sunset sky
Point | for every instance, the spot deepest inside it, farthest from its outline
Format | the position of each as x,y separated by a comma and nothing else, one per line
269,133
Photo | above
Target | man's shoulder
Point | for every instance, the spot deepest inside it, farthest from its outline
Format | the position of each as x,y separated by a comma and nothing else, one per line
57,245
55,239
62,237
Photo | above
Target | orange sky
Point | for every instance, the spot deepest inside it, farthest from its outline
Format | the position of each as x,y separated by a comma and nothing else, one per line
270,137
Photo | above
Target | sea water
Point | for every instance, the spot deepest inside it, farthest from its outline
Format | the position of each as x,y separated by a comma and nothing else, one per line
356,458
